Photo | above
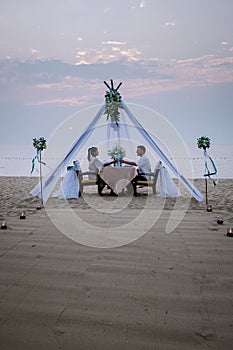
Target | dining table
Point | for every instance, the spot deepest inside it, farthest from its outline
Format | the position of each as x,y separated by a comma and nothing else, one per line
118,177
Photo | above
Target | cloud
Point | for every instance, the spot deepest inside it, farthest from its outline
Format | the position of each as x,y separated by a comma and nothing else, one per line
107,9
112,42
55,82
131,54
81,62
72,101
206,61
33,51
195,59
54,86
116,49
107,54
136,4
81,53
94,56
170,24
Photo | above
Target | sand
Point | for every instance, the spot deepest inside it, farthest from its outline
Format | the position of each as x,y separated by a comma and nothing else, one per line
163,291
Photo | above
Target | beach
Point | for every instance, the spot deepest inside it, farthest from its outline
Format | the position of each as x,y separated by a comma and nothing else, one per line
163,291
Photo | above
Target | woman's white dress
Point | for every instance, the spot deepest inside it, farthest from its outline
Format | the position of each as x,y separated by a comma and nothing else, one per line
95,165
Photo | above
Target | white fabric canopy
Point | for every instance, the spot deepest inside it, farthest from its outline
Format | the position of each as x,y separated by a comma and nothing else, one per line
128,126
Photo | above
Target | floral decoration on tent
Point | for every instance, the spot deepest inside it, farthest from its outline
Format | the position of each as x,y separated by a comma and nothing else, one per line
113,103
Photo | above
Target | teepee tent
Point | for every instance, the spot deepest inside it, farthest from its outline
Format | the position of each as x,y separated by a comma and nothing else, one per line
117,124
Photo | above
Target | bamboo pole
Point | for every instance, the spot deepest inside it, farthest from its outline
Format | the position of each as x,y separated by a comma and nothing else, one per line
206,192
41,180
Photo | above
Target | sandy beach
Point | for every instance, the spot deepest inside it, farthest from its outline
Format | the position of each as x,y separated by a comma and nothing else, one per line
165,291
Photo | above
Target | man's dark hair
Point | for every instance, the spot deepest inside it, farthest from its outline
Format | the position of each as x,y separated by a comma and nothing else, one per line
142,148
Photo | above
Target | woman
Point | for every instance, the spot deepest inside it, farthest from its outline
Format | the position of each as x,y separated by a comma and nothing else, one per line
95,166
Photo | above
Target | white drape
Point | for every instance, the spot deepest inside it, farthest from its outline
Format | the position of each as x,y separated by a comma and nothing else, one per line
166,186
69,187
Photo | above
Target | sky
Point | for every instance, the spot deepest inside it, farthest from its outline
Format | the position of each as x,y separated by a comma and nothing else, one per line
175,56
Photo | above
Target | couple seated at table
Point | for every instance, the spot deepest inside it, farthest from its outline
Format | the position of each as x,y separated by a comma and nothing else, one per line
143,169
70,186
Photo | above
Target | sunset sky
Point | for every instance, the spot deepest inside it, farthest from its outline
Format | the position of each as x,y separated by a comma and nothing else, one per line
175,56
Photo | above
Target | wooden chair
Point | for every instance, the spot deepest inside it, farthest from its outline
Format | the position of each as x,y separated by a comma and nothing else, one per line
152,182
84,180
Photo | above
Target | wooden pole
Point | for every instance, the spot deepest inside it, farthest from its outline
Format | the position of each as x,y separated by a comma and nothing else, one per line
206,192
107,85
41,180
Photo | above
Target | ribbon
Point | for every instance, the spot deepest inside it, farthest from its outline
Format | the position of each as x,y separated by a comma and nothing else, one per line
213,171
34,159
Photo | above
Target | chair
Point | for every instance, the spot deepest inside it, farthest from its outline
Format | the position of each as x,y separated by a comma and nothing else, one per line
152,182
84,180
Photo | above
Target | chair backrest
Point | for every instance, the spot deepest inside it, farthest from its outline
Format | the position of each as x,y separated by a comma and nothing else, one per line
83,181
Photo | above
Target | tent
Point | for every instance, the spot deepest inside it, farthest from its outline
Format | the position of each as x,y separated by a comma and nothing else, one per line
117,124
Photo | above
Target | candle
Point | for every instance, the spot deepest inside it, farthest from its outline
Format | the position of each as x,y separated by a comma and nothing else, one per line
209,208
4,225
220,221
22,215
230,232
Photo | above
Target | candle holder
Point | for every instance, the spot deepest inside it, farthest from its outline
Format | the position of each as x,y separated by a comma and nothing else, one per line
230,232
209,208
220,221
3,225
22,215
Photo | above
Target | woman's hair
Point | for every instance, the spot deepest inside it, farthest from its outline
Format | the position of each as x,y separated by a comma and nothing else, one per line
90,152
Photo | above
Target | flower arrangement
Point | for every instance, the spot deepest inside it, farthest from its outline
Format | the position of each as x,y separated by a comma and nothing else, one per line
203,142
117,152
39,144
113,103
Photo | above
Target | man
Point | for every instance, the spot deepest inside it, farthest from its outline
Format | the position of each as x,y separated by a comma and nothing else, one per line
143,167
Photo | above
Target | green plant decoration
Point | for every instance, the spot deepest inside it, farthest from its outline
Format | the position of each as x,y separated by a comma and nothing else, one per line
113,103
203,142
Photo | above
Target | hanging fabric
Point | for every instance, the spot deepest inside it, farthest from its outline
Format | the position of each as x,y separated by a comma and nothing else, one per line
210,168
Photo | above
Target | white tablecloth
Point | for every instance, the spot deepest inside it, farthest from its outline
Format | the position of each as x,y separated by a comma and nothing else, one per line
118,177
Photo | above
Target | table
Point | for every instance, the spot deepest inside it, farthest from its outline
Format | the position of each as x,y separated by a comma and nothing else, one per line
117,178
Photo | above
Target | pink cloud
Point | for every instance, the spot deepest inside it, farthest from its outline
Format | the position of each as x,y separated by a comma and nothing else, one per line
72,101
